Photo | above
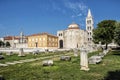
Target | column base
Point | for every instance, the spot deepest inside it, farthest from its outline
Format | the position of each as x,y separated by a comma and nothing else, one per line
84,68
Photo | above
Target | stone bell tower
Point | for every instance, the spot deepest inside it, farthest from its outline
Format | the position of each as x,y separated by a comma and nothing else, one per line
89,27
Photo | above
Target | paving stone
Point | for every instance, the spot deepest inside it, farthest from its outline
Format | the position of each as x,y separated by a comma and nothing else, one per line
3,64
17,62
10,63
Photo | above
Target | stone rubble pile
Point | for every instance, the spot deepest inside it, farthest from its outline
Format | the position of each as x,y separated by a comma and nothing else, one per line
97,58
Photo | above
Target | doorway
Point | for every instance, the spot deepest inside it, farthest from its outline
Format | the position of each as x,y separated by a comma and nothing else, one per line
61,44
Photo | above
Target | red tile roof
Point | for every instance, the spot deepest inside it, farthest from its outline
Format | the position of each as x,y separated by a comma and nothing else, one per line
38,34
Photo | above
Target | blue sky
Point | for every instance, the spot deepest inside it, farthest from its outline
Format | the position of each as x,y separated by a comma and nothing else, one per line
36,16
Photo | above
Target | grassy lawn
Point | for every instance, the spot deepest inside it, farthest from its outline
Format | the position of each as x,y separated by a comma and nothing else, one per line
65,70
15,56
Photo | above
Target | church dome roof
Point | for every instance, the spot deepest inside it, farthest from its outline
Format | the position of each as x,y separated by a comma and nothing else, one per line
73,26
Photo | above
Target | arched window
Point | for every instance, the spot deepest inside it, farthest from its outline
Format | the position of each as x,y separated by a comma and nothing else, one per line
90,33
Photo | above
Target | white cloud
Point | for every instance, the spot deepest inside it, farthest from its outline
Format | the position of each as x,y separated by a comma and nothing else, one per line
56,7
69,7
78,8
78,15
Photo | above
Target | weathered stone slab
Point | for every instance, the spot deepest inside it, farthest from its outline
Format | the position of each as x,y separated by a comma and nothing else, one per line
101,54
1,57
47,51
105,52
65,58
10,63
47,63
17,62
35,52
3,64
95,59
27,60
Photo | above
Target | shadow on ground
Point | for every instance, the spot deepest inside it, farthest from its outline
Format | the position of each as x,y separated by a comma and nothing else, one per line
113,75
116,54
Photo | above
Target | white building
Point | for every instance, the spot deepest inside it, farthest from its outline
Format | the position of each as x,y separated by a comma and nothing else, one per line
74,37
17,41
1,39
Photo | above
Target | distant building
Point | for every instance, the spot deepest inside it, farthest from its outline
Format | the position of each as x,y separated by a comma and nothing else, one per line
23,41
43,40
16,41
1,39
12,40
22,38
74,37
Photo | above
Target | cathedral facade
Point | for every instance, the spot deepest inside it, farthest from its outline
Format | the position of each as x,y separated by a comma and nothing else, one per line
74,37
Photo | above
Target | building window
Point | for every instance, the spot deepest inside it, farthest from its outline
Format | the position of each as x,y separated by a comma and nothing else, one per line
30,45
90,39
90,27
40,39
48,44
89,22
49,39
59,34
44,39
53,39
29,39
36,39
32,39
53,44
90,33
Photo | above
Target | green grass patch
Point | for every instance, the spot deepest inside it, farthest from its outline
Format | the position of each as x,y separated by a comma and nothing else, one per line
65,70
15,56
93,53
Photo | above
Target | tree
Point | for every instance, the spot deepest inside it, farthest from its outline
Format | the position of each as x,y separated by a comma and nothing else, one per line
2,44
7,44
117,33
104,32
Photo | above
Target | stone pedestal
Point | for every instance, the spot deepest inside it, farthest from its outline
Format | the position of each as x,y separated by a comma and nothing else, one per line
83,59
21,52
75,52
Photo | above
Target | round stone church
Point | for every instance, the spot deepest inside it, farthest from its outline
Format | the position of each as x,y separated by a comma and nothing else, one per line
74,37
